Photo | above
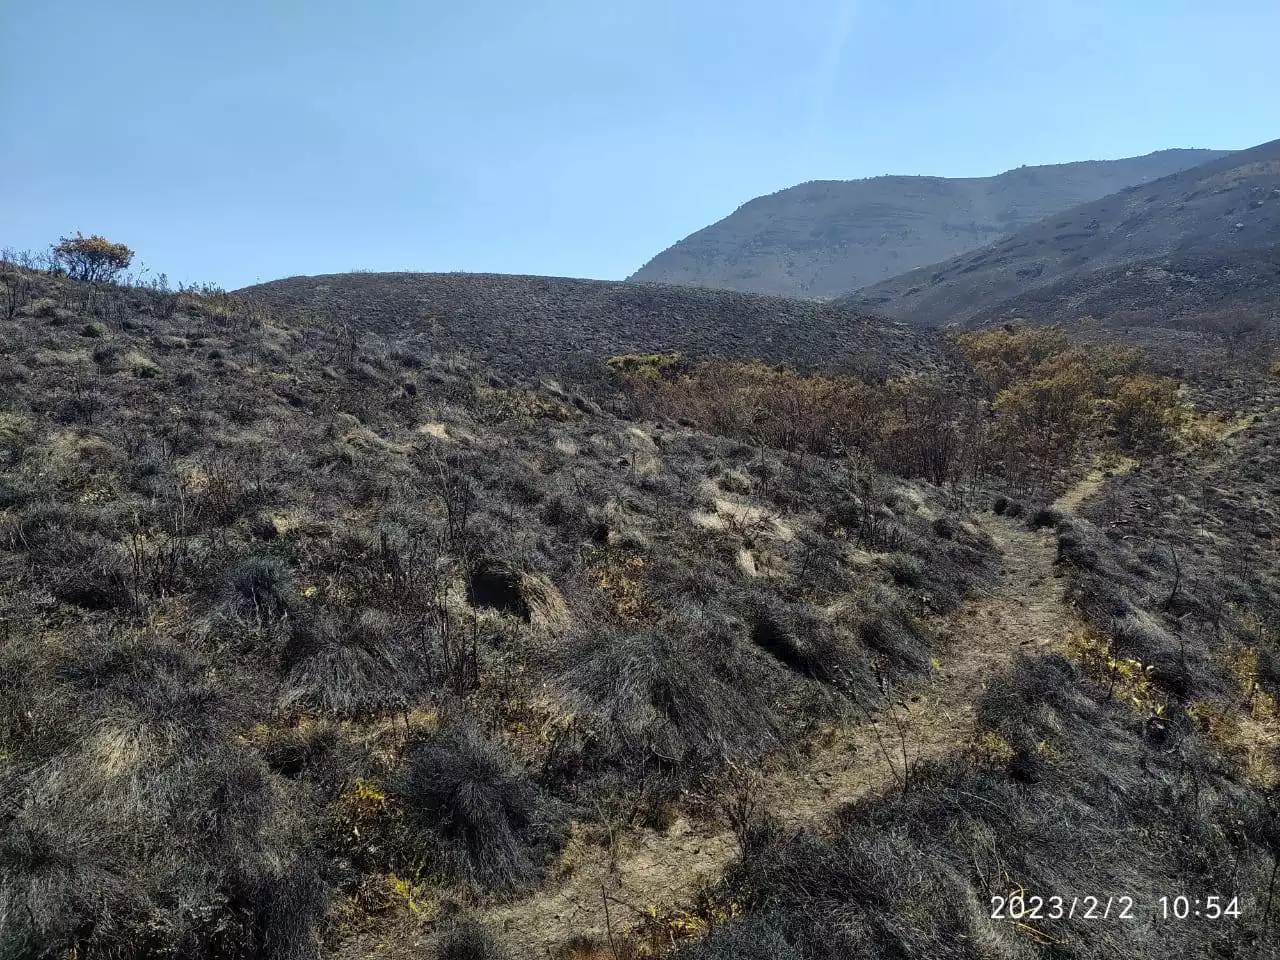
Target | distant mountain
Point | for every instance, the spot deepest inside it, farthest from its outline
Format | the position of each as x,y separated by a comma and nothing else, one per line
829,237
529,326
1227,206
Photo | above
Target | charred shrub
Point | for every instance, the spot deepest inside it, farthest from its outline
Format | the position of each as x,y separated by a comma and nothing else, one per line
675,697
496,586
780,640
1043,517
261,590
351,663
906,570
168,689
293,752
758,937
288,909
946,527
812,647
479,818
884,626
465,939
263,526
95,578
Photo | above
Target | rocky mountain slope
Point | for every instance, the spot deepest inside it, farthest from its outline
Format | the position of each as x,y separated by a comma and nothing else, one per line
562,327
1229,204
826,238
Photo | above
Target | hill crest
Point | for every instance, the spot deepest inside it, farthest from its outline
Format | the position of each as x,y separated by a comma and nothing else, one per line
530,325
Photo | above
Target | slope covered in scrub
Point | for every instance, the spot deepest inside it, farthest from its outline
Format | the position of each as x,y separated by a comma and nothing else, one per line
318,642
305,640
827,238
538,326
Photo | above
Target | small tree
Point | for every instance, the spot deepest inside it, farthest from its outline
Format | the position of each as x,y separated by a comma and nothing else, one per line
1001,356
1040,422
93,259
1146,412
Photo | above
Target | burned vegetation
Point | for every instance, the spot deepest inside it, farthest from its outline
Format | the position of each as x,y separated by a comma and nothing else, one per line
319,637
307,635
1136,758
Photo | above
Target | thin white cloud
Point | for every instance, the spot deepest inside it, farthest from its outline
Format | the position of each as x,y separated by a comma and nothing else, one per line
829,66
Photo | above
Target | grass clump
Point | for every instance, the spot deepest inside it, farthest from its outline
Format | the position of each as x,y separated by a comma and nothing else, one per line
465,939
474,814
676,697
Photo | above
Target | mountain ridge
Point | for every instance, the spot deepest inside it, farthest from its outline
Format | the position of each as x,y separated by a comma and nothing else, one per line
1231,203
826,238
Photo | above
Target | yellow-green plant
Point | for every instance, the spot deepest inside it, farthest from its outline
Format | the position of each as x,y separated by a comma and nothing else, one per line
94,259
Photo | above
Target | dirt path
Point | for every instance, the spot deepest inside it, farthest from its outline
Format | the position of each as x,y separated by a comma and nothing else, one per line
1092,483
609,891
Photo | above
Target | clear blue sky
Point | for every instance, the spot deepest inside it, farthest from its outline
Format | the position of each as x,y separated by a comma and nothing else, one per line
239,140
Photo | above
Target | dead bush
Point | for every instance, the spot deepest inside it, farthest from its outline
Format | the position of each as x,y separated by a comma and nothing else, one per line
477,817
656,700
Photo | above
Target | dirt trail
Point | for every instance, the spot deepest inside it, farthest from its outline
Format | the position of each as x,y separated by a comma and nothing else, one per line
1023,611
1092,482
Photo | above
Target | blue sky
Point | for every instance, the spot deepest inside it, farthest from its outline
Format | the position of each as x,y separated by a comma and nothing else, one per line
252,139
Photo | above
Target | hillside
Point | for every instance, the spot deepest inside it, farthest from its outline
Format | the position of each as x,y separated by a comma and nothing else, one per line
550,325
321,640
307,645
1212,210
826,238
1169,290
